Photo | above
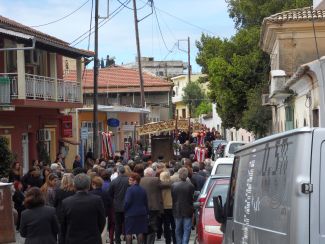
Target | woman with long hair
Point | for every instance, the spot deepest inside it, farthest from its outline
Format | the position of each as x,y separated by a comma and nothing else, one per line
15,172
39,224
65,190
48,189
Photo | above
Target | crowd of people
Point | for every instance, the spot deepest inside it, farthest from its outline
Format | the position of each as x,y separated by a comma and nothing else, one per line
123,199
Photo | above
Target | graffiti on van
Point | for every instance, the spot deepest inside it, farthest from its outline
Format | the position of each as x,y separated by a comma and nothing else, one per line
281,156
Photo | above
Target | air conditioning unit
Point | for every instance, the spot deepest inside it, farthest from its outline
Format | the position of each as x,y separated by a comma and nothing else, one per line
278,79
266,101
44,135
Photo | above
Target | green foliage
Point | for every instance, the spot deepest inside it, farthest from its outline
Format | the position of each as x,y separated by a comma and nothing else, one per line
257,118
246,13
237,68
193,95
6,157
204,107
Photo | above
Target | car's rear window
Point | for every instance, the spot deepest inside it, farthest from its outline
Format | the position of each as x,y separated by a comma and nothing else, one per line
218,189
234,146
224,169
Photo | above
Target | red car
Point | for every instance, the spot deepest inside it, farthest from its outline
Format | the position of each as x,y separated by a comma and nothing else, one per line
208,229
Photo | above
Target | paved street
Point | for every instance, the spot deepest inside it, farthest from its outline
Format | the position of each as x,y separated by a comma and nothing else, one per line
20,240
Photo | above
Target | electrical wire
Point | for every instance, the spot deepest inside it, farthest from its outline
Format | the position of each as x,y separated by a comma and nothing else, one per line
90,23
130,7
66,16
125,5
185,21
162,37
101,23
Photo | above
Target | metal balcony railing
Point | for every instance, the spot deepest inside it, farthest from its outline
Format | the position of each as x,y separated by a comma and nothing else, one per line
39,88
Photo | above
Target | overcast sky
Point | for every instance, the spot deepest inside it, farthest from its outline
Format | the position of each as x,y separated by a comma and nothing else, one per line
178,19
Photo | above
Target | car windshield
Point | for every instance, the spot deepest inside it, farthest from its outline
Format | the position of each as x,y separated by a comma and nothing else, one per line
234,146
218,189
224,169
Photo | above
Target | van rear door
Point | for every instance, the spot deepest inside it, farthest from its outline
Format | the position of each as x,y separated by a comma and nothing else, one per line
317,203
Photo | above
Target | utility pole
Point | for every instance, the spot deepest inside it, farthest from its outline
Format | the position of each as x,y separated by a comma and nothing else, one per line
95,109
188,51
136,21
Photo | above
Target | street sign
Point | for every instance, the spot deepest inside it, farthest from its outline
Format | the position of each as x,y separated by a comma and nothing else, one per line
84,133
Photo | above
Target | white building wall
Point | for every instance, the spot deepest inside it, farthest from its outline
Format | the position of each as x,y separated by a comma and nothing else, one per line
319,4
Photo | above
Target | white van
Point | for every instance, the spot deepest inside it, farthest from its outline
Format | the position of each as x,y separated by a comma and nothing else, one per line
232,147
222,166
277,191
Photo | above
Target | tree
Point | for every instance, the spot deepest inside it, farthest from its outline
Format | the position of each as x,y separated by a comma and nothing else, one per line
237,68
193,95
204,107
247,13
6,157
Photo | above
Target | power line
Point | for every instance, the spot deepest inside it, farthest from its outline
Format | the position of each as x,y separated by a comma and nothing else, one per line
90,22
125,5
185,21
66,16
130,7
162,37
101,23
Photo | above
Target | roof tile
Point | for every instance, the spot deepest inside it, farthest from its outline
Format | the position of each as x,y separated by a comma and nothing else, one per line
301,14
119,77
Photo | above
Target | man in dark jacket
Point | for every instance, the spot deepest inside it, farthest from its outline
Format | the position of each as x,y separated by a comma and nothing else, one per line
182,194
117,191
153,186
197,178
83,214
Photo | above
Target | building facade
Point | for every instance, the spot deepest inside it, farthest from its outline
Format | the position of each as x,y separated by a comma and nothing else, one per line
33,93
119,100
295,40
164,69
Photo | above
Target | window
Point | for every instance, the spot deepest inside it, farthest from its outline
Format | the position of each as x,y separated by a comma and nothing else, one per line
316,118
217,190
289,123
184,113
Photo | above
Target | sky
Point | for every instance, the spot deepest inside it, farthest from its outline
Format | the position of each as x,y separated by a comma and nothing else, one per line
171,22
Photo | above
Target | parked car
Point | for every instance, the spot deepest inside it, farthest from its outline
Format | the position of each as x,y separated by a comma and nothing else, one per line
215,145
232,147
222,166
208,229
219,151
201,196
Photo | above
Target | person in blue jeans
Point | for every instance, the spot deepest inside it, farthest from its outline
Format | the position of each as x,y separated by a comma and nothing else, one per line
182,195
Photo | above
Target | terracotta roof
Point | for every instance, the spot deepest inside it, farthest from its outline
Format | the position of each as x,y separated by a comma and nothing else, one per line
9,24
121,79
301,14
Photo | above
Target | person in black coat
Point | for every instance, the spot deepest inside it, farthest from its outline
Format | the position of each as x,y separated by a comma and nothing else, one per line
182,195
39,224
66,190
117,192
83,215
136,210
18,199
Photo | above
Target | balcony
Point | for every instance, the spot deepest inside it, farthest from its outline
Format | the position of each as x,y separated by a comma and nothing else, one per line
38,88
176,99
